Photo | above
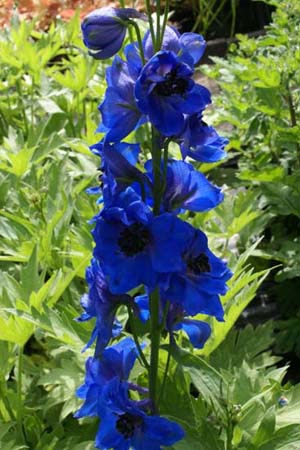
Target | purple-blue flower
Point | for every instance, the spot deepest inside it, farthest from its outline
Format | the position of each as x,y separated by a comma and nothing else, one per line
176,319
101,304
120,114
200,141
198,287
115,361
125,425
186,188
104,30
197,331
133,245
189,47
165,92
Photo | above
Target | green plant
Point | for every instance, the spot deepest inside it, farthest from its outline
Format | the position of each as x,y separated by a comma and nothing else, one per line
259,102
206,12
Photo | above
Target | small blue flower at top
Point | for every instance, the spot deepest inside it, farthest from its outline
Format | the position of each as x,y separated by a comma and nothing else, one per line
104,30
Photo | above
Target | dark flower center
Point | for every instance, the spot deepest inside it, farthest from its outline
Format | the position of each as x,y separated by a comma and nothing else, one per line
172,85
134,239
126,424
199,264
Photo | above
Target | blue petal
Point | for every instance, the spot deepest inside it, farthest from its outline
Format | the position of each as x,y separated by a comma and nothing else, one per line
193,44
197,331
163,431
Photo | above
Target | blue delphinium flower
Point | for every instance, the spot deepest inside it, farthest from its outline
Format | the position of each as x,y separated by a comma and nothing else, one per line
125,425
101,304
118,161
120,114
165,91
200,284
176,319
104,30
197,331
189,47
133,245
200,141
187,188
116,361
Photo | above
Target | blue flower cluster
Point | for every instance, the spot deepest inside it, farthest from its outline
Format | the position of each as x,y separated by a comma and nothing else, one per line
141,244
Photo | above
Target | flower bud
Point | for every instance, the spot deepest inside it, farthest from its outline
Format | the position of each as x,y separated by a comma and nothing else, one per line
104,30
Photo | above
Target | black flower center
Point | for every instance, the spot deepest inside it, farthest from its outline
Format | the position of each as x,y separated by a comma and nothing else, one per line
134,239
126,424
172,84
199,264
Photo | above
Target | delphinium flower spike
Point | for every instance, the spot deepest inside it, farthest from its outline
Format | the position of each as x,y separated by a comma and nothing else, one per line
145,257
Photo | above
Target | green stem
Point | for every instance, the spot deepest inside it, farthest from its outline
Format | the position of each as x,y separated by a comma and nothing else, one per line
163,385
151,27
156,163
19,396
155,343
139,39
229,433
20,94
135,337
164,24
158,40
7,408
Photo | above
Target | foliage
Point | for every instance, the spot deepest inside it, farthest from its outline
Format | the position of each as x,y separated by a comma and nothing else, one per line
259,101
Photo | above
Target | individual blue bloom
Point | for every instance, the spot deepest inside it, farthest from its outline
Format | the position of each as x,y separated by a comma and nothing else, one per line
119,160
165,91
176,319
116,361
189,47
197,331
198,287
187,188
101,304
200,141
104,30
133,245
120,114
117,168
125,425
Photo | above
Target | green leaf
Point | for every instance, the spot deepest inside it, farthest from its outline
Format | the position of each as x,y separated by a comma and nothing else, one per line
266,428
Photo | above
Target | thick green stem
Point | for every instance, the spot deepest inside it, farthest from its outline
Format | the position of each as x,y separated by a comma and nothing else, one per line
155,326
157,176
163,385
155,343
